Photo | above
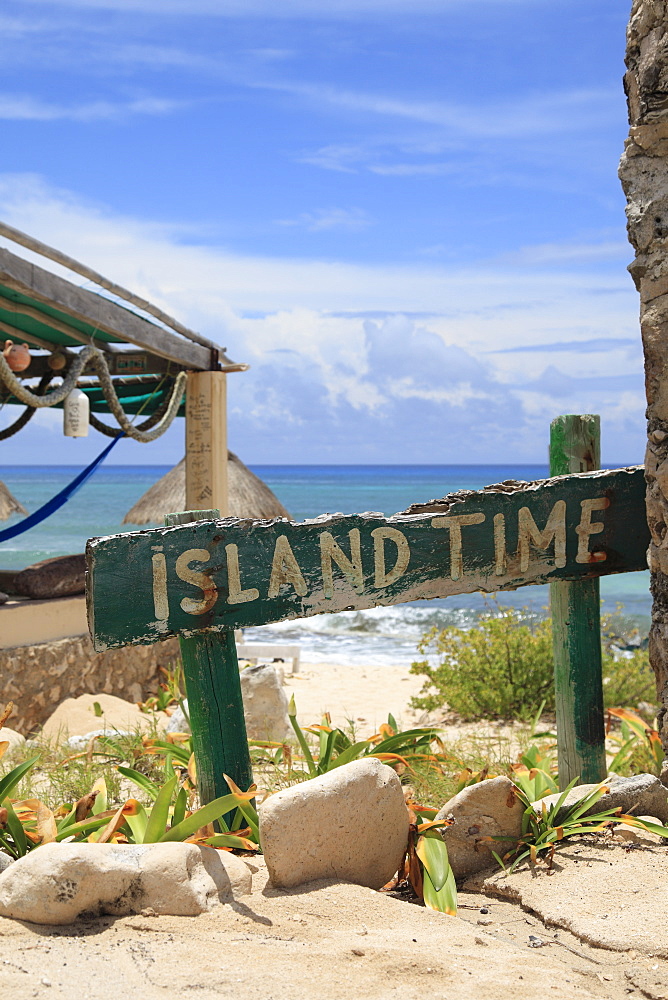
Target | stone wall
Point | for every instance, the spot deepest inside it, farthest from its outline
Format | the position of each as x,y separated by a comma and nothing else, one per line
37,678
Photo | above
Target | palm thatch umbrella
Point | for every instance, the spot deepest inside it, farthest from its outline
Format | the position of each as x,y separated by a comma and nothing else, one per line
248,496
8,504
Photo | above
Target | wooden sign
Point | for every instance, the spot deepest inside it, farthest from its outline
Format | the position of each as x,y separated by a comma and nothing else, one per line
229,573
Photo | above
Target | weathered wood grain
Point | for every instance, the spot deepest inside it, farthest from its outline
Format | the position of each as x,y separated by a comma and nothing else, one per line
215,704
46,287
575,446
231,573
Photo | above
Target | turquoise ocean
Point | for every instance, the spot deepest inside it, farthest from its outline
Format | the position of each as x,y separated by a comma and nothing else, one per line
380,635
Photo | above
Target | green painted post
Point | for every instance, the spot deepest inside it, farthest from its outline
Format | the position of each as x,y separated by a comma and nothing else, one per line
576,626
215,705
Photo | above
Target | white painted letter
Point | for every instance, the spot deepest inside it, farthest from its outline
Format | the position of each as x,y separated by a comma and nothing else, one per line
555,530
285,569
499,544
160,598
351,568
587,527
382,578
235,595
455,524
198,579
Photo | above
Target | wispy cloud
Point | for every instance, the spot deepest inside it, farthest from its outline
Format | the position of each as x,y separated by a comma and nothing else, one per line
556,253
413,169
540,114
602,344
346,219
26,108
312,9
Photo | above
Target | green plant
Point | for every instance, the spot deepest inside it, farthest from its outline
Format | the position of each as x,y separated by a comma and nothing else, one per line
640,747
500,668
170,691
542,829
503,667
627,680
545,827
334,747
13,839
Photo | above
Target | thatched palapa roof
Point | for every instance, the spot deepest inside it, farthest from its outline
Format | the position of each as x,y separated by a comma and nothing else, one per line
8,504
248,495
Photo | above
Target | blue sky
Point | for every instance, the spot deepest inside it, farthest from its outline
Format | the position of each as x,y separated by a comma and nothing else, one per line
404,214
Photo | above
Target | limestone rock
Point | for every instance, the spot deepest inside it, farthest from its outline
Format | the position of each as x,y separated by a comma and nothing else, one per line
177,722
5,861
15,740
265,703
81,742
487,809
638,795
58,883
76,717
350,824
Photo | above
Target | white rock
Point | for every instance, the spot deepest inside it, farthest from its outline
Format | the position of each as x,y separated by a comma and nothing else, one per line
265,703
5,861
58,883
177,721
487,809
81,742
350,824
15,740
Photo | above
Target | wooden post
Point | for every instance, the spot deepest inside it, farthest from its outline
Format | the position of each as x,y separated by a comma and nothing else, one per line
215,705
206,442
576,627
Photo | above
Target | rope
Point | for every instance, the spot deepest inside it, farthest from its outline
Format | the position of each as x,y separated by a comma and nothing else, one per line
93,357
145,425
61,498
29,411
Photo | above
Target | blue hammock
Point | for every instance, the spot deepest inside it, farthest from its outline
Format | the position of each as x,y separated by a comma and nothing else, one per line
55,503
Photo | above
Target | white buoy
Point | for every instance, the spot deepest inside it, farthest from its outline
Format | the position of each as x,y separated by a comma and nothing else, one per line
75,414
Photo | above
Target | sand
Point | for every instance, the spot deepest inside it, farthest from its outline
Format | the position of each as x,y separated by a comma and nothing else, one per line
367,694
323,940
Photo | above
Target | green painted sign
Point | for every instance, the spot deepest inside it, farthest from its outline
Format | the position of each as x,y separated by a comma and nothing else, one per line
230,573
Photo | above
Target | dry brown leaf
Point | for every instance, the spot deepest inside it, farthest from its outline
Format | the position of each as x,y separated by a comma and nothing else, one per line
84,806
6,712
46,824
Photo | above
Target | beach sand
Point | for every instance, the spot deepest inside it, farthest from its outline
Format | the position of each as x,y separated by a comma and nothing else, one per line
363,694
367,694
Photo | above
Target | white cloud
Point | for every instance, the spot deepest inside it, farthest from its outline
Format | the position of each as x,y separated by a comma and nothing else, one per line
25,108
346,219
329,383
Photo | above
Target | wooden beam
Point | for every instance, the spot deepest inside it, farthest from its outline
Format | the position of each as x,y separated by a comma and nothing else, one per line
34,282
575,446
206,441
49,321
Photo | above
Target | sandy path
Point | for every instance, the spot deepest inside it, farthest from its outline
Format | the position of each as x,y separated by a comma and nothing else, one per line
365,694
325,939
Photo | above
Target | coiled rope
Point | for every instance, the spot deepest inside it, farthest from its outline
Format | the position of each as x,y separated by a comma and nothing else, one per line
93,358
29,411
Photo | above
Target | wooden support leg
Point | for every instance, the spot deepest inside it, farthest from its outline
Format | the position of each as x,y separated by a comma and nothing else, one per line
215,705
206,441
576,626
216,711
